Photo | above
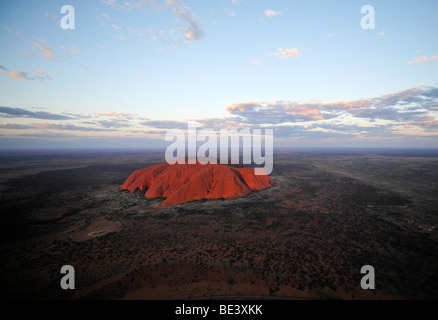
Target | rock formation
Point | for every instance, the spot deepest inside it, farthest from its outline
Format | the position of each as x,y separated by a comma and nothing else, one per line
180,183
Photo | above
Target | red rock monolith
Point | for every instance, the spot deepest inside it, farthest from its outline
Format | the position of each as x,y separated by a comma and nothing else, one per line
180,183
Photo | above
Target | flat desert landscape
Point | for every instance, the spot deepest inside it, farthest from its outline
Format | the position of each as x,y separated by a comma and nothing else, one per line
330,213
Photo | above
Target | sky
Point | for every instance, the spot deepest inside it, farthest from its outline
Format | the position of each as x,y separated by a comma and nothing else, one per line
132,69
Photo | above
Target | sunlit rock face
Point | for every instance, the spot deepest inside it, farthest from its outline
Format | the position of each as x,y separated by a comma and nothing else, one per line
180,183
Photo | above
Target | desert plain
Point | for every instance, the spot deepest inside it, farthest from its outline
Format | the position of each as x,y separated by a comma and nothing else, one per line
330,213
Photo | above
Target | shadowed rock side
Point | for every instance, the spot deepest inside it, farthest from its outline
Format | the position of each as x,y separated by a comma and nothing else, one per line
180,183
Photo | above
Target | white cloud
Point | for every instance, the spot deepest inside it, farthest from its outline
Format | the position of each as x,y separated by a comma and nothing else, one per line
20,75
272,13
194,31
287,53
12,31
47,52
423,59
191,28
72,50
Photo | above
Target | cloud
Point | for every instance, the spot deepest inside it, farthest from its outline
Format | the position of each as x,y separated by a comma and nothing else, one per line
6,125
194,31
272,13
50,126
287,53
385,113
165,124
210,123
43,75
123,115
53,16
118,5
63,126
114,123
399,116
28,53
423,60
47,52
277,112
316,133
192,35
109,2
12,31
63,140
403,106
23,113
148,3
382,33
103,18
72,50
20,75
427,121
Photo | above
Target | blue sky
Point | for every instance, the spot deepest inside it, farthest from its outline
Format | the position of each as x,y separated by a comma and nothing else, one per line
131,69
